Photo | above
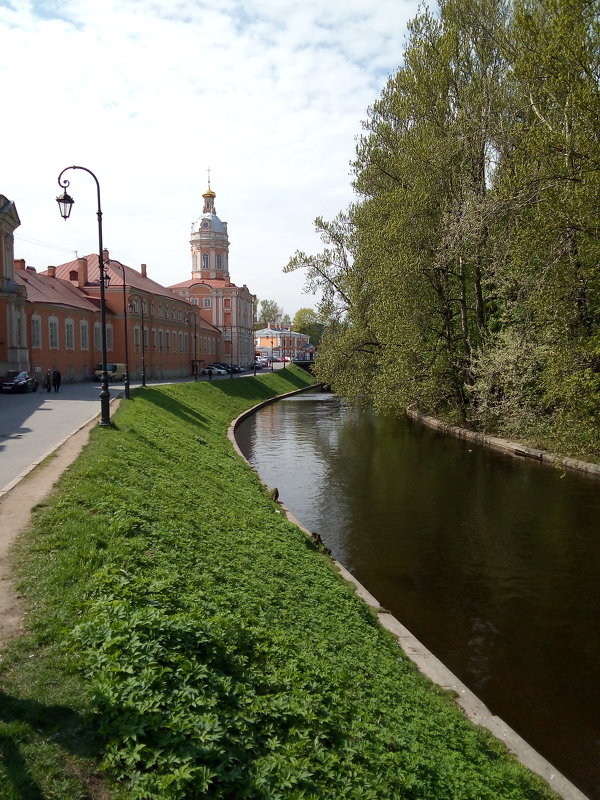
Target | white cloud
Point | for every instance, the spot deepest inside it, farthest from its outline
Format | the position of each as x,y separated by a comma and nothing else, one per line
148,94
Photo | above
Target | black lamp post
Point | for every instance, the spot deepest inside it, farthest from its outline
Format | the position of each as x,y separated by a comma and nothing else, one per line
271,351
137,297
65,204
126,381
230,329
186,319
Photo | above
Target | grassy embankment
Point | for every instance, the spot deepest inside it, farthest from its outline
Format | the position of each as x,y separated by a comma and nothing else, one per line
186,633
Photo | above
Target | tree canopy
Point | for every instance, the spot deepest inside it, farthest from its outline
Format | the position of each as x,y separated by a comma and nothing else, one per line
465,278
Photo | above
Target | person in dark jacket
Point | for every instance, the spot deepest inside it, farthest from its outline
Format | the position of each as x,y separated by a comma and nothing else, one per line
48,381
56,379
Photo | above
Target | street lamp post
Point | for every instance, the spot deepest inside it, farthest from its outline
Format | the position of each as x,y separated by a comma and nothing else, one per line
272,353
137,297
186,319
126,381
65,204
230,329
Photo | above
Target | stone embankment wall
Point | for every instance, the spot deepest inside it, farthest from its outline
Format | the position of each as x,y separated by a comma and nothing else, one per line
506,446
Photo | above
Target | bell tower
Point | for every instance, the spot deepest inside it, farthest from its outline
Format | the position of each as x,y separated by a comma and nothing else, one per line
210,243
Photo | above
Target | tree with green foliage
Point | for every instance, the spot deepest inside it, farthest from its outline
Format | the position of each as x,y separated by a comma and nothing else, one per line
307,321
465,279
269,311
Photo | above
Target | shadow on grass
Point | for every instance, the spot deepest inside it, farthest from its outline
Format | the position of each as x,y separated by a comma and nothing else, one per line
256,389
252,389
174,406
58,724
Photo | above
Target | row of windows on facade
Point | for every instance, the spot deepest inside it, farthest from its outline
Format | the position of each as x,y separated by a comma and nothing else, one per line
171,312
169,340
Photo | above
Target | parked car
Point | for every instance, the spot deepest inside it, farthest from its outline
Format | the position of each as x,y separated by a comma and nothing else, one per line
115,372
19,382
216,369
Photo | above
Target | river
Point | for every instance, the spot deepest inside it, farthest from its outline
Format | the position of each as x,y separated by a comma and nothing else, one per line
491,561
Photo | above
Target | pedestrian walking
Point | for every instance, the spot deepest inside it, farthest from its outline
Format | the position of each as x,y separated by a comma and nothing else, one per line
209,370
48,381
56,379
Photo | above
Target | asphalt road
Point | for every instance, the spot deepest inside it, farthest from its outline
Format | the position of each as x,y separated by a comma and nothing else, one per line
32,425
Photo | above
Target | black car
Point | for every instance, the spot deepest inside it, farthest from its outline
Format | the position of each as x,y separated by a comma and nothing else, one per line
19,382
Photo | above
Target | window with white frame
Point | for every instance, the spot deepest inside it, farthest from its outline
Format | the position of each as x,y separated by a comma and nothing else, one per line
160,340
204,260
36,331
207,302
136,338
167,340
69,334
97,336
84,334
109,337
53,333
154,338
219,262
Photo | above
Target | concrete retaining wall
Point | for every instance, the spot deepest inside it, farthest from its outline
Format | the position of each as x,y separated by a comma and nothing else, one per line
506,446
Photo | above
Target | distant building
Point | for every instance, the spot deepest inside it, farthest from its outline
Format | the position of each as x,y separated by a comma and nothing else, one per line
173,331
50,319
221,303
279,341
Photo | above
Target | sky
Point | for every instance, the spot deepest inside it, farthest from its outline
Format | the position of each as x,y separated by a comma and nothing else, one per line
149,95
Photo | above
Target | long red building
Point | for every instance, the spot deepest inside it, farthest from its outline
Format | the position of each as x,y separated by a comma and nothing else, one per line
50,319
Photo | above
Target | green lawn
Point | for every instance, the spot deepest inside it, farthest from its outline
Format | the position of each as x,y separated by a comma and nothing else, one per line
187,641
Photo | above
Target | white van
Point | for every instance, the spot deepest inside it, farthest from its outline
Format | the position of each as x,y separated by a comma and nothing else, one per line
115,372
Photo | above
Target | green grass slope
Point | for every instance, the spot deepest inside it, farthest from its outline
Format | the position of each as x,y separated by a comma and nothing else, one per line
191,639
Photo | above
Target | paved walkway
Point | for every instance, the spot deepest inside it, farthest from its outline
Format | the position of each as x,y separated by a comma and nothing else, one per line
15,513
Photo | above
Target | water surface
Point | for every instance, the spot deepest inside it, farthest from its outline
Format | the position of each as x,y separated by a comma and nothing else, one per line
491,561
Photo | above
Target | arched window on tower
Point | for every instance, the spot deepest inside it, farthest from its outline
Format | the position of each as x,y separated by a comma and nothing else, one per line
204,260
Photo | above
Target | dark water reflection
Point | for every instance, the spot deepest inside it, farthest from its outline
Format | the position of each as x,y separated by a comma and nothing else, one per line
491,561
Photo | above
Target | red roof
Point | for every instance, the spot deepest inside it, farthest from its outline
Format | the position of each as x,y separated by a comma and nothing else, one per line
133,278
43,289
